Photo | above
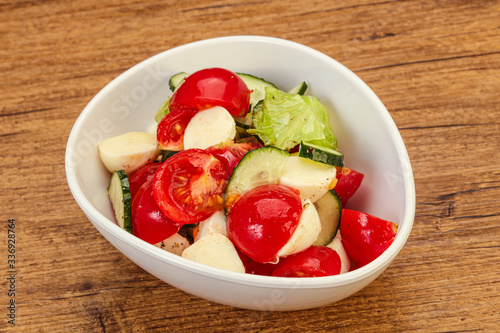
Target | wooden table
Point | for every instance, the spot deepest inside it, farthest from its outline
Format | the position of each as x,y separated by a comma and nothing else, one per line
434,64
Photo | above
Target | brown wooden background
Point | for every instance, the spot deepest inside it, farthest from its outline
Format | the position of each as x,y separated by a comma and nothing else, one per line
434,64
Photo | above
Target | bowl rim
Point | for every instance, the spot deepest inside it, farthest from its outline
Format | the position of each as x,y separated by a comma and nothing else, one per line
375,266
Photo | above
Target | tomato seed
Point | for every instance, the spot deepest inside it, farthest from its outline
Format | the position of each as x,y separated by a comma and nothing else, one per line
220,201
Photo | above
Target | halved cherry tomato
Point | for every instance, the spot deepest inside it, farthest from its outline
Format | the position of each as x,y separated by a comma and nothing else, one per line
141,176
313,261
253,267
348,183
364,236
189,186
149,223
212,87
170,131
231,154
263,219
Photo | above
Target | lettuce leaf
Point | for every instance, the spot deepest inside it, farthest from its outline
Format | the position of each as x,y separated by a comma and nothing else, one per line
284,120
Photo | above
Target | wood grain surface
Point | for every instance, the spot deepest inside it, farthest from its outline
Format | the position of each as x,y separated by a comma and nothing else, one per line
434,64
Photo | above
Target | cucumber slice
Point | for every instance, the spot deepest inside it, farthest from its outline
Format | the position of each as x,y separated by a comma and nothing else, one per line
258,87
321,154
121,200
329,211
258,167
299,90
176,80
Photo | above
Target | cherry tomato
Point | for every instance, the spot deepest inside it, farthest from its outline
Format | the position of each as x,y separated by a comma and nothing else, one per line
190,185
141,176
170,131
263,219
149,223
348,183
252,267
364,236
231,154
312,262
212,87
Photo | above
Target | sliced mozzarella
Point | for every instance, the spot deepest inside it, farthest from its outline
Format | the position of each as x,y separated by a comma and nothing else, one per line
336,245
215,250
306,233
215,223
128,151
312,179
174,244
209,127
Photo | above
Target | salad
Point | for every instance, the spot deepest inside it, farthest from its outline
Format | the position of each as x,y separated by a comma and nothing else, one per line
243,176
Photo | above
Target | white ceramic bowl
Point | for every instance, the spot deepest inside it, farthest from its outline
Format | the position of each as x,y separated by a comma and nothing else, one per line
364,129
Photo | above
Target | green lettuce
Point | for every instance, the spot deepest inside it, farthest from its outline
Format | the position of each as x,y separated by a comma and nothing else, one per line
284,120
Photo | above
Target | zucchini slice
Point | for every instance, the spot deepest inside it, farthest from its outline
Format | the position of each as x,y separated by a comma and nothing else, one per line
258,167
121,200
321,154
329,211
176,80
